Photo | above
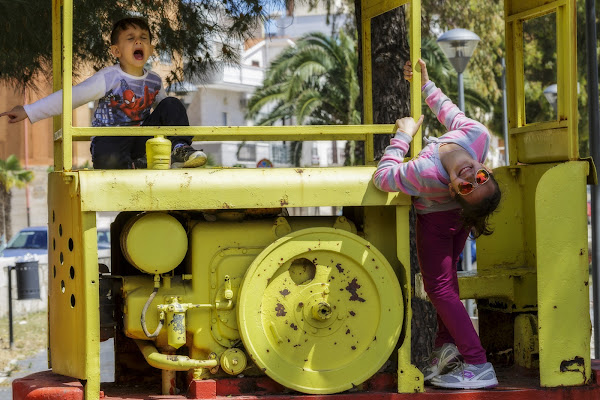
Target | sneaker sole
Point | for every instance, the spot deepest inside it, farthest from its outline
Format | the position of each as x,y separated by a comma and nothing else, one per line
440,371
195,162
467,385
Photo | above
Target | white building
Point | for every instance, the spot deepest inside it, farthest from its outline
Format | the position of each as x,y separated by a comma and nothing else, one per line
222,102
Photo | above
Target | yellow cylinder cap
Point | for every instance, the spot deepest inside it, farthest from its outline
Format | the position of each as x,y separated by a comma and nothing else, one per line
154,243
233,361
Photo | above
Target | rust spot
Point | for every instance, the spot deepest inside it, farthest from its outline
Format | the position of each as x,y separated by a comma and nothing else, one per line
309,249
294,326
339,268
353,288
284,201
267,350
574,365
288,340
555,307
226,206
299,170
352,313
347,331
280,310
586,283
177,323
284,292
297,345
375,338
353,347
301,304
368,246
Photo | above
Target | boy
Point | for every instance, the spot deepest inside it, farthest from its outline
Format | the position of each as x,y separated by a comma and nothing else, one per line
125,93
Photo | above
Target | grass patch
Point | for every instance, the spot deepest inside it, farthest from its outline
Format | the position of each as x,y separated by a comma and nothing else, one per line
30,333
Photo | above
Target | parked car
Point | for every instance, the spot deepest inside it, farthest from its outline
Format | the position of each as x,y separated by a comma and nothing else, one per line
34,240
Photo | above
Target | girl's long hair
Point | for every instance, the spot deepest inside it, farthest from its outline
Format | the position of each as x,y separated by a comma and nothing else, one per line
475,216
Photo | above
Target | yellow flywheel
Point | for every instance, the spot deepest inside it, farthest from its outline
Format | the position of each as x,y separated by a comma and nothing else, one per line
320,310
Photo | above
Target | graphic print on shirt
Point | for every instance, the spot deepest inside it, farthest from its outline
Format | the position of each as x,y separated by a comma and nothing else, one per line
127,102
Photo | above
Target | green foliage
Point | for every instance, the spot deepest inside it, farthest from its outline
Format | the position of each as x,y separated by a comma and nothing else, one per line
26,38
314,81
11,173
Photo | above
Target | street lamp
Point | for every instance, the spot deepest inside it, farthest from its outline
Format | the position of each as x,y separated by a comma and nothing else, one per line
551,94
458,45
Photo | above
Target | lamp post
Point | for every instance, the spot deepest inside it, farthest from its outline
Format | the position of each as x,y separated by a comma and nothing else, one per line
551,94
458,45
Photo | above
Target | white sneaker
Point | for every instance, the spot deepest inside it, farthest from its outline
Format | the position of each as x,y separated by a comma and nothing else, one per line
467,376
439,359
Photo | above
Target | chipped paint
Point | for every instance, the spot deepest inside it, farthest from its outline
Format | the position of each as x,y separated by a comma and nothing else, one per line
280,310
353,288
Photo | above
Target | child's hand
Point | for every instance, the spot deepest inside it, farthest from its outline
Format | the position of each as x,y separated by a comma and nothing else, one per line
15,115
408,72
408,125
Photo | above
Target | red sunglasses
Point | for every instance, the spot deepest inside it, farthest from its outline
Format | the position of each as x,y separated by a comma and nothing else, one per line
481,177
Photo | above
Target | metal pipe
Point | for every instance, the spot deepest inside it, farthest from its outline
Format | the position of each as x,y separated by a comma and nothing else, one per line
504,113
11,338
467,264
592,75
170,362
143,316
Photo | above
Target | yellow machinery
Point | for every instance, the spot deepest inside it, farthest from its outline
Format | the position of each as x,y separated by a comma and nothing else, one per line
214,279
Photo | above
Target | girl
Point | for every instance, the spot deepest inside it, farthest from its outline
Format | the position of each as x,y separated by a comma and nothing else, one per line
454,193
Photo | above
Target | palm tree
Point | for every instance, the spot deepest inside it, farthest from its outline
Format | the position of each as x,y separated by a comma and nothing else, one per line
314,82
11,175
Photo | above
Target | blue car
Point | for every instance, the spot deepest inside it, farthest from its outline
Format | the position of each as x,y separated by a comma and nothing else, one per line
34,240
31,240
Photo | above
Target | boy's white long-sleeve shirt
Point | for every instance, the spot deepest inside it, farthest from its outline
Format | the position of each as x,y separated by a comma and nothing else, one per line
123,99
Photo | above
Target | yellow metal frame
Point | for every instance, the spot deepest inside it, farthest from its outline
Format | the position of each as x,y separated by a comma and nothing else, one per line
75,197
545,141
525,262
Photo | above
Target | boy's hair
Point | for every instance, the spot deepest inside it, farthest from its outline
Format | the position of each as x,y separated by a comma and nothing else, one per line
125,23
476,216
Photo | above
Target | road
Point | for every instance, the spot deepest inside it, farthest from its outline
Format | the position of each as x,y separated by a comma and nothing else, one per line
40,363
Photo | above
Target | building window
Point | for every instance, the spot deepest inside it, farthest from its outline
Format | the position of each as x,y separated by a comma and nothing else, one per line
255,63
247,152
224,119
281,153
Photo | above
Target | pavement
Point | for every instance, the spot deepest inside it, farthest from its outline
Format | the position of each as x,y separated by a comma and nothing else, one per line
39,363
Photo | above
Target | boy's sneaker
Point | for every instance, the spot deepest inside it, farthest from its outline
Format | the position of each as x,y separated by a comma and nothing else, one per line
467,376
439,360
189,156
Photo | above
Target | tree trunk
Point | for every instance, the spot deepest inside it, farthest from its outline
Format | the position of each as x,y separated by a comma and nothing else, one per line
391,100
8,213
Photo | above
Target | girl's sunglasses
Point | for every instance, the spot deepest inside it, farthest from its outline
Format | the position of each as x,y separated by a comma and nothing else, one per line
481,177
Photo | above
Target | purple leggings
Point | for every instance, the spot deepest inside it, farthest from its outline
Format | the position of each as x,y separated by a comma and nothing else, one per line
440,240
